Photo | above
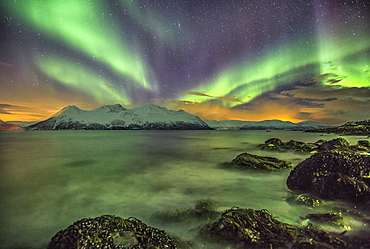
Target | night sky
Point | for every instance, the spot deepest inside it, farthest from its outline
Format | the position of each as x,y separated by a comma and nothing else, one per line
221,60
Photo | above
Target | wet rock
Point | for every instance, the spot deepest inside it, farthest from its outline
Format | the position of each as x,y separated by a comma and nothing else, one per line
246,160
277,144
303,199
203,210
335,144
363,143
333,175
110,231
248,228
326,218
273,143
320,145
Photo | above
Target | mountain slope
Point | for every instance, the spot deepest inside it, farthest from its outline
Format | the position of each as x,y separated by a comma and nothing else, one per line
116,117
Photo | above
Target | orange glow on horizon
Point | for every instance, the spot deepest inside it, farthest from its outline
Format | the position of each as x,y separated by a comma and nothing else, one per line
208,111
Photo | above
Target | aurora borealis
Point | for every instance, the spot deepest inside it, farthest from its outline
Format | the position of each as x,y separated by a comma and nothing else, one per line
238,59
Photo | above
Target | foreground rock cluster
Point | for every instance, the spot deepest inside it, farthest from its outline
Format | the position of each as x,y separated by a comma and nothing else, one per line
249,228
320,145
334,172
333,175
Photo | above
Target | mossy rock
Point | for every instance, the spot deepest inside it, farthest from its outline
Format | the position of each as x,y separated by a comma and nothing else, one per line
246,160
249,228
111,232
333,175
303,199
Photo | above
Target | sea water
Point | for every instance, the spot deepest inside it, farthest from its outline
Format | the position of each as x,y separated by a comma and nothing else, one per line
50,179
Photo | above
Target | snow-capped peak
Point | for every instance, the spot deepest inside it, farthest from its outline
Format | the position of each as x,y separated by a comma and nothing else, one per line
110,108
68,111
149,116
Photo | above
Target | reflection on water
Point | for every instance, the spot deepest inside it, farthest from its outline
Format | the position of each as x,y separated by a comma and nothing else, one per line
49,179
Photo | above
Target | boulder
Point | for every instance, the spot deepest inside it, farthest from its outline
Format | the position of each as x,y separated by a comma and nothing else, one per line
333,175
277,144
335,144
303,199
110,231
248,228
246,160
363,143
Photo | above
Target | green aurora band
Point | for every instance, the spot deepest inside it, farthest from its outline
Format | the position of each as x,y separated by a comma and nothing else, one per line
287,63
81,26
77,77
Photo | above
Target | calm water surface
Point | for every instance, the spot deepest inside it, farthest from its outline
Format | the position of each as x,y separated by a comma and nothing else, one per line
49,179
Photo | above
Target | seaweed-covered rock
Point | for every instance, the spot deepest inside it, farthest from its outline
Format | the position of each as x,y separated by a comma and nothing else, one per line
260,162
248,228
110,231
320,145
363,143
335,144
333,175
272,144
277,144
303,199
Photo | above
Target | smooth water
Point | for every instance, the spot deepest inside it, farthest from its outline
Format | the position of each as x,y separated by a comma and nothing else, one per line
49,179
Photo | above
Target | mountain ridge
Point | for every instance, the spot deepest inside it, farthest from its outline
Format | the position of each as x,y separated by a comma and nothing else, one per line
273,124
116,117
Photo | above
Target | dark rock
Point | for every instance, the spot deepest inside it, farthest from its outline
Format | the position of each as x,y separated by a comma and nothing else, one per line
110,231
274,141
303,199
247,160
333,175
277,144
320,145
363,143
335,144
248,228
319,142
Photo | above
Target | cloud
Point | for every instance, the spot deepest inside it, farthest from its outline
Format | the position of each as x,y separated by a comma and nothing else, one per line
213,97
8,109
329,104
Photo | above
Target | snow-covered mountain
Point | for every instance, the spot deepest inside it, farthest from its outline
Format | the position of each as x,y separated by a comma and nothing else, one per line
264,125
116,117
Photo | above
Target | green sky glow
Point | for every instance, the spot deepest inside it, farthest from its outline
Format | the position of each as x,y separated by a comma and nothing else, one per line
246,81
82,79
82,27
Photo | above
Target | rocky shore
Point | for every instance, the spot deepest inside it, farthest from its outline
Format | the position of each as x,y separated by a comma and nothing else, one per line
337,171
340,144
358,128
